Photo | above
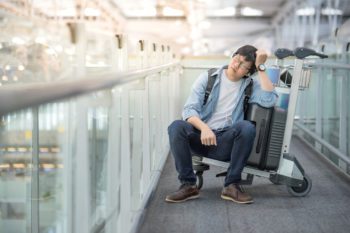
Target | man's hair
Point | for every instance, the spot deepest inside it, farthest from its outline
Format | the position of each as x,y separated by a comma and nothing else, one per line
248,52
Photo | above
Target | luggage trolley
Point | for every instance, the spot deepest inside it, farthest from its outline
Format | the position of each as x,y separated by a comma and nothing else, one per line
270,157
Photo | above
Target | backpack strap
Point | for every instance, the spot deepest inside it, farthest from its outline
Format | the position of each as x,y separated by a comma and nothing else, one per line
247,93
210,84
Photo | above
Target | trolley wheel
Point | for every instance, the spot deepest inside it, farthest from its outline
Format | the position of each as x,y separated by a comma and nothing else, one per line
199,175
303,190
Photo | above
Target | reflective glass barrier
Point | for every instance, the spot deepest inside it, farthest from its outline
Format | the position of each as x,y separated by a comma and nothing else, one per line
88,163
15,171
324,112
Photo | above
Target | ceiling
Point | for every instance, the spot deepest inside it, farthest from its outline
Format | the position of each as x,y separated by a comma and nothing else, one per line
220,26
191,26
201,26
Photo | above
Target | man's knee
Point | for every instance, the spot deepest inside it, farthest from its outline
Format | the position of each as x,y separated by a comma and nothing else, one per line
248,129
177,126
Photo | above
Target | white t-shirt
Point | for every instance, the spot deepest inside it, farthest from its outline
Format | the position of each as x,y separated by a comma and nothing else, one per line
228,99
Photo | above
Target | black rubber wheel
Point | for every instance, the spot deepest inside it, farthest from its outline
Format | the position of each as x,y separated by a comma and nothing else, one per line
303,190
199,175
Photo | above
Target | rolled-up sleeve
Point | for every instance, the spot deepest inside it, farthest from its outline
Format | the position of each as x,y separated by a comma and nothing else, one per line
264,98
194,103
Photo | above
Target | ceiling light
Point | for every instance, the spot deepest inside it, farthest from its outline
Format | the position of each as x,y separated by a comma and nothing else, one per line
48,165
59,48
18,165
22,149
331,11
191,19
2,166
204,24
144,12
178,23
68,12
307,11
44,149
20,67
225,12
168,11
92,12
18,40
195,34
247,11
40,40
185,50
50,51
181,40
69,51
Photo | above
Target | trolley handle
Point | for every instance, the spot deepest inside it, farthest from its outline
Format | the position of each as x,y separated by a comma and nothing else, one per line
283,53
302,53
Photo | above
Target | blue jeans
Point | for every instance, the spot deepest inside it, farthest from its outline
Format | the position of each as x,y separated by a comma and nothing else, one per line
234,144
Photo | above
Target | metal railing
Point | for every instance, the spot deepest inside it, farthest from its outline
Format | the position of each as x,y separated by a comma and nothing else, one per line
85,154
14,98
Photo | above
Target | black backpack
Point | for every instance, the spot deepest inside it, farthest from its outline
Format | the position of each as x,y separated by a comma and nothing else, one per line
211,80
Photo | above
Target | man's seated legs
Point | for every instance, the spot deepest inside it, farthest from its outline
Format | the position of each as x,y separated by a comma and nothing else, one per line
234,145
183,137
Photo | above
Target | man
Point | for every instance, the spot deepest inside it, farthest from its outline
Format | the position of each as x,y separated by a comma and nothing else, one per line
217,129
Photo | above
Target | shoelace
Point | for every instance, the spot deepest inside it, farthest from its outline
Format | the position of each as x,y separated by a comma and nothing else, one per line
240,188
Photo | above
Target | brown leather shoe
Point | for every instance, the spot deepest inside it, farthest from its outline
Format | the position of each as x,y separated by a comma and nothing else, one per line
185,192
235,193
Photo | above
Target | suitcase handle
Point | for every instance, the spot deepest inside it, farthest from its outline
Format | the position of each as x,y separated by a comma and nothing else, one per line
261,135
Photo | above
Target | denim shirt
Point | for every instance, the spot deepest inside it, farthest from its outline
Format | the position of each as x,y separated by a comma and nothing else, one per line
194,104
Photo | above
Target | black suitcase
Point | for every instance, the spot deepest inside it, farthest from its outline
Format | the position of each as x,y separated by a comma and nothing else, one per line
270,125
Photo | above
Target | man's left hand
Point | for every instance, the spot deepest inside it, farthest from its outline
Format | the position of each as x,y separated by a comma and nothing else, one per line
261,57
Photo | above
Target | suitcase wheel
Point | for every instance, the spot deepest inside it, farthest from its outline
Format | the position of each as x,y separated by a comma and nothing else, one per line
303,190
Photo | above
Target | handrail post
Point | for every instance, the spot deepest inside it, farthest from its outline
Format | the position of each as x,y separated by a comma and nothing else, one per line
35,213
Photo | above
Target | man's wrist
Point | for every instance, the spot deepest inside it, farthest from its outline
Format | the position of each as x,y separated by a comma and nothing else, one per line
261,67
205,127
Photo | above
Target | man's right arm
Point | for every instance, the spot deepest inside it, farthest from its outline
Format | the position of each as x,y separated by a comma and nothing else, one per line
193,107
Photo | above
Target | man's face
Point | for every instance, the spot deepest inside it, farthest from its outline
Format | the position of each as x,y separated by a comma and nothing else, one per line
240,66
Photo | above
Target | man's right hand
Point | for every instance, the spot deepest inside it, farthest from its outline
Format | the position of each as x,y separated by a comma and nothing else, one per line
208,137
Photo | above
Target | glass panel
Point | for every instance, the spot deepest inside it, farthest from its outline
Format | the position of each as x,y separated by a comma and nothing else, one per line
154,108
307,101
330,113
15,171
136,130
114,163
98,126
56,127
347,96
